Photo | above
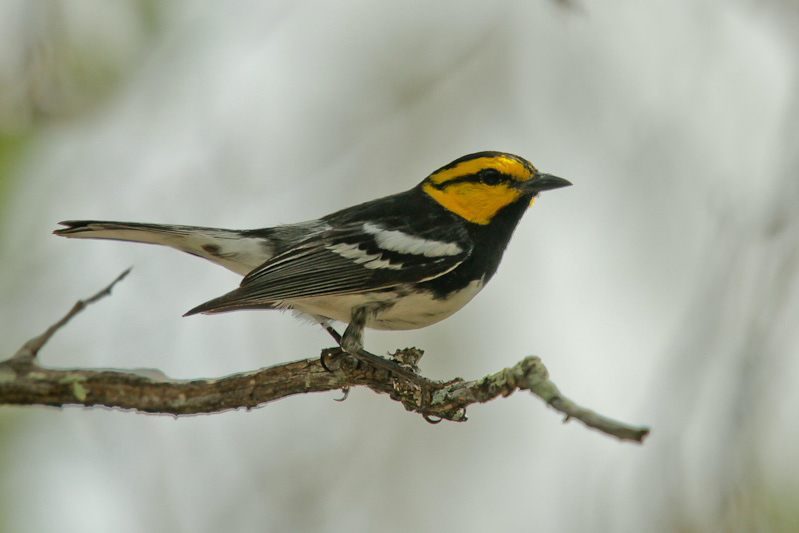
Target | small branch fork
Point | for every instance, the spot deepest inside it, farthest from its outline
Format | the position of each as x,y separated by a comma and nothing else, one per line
23,381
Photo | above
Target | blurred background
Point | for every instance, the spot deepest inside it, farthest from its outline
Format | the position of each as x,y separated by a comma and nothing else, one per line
660,290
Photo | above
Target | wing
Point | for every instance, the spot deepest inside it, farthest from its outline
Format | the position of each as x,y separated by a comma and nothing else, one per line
351,258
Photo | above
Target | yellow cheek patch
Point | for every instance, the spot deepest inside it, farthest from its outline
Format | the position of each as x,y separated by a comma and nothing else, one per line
476,202
506,165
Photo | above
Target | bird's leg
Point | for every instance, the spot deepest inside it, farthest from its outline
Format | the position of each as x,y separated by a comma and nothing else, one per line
333,333
329,353
352,343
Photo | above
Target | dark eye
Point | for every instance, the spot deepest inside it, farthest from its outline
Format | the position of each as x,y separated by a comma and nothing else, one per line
490,176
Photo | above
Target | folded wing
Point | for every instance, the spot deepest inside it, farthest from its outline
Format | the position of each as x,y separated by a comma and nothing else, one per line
348,259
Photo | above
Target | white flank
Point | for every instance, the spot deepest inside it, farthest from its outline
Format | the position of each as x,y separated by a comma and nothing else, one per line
397,241
395,310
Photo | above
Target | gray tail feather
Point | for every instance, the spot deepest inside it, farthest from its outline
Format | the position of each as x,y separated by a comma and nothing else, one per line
227,302
126,231
239,251
188,239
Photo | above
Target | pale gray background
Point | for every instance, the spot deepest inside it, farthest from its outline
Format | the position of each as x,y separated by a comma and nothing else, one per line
660,289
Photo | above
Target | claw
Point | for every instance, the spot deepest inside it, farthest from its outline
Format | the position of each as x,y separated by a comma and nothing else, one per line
425,404
346,391
430,420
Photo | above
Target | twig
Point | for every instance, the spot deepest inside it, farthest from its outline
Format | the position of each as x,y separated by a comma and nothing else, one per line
528,374
31,348
23,381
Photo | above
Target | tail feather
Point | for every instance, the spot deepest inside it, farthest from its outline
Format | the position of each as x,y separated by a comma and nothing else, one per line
127,231
235,300
235,250
227,303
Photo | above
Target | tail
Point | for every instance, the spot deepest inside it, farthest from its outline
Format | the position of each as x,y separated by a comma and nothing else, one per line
239,251
231,301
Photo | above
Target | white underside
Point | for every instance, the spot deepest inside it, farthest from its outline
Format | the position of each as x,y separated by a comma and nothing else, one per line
392,310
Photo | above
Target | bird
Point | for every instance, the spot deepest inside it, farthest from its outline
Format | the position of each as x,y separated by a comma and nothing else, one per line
400,262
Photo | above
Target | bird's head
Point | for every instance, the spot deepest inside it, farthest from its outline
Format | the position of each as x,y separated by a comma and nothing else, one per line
477,186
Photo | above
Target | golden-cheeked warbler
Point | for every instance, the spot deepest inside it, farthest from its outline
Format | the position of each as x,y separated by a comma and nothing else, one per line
405,261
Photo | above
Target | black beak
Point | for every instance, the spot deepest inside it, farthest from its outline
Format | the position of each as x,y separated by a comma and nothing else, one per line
545,182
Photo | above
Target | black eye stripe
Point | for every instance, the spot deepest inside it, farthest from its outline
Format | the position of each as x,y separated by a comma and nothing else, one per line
489,176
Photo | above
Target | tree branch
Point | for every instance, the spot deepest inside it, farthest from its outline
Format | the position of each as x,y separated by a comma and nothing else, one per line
31,348
23,381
